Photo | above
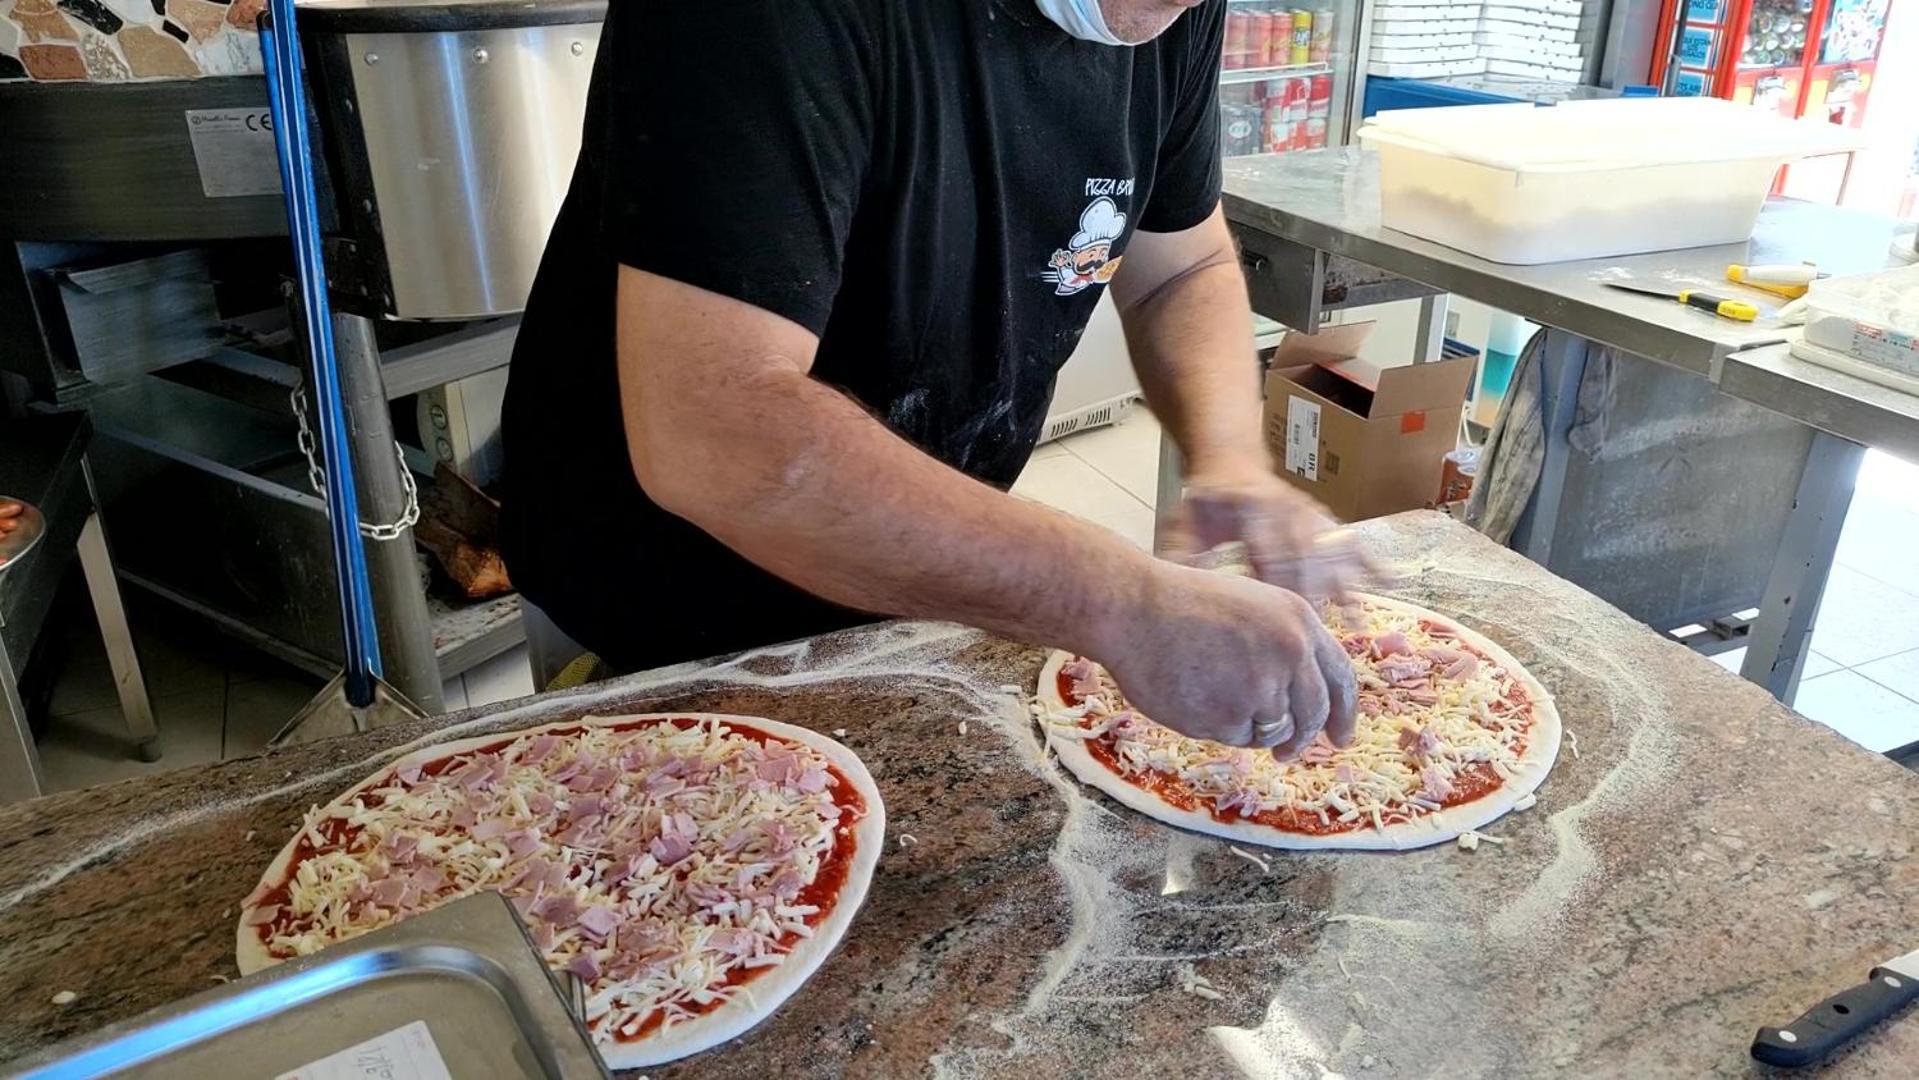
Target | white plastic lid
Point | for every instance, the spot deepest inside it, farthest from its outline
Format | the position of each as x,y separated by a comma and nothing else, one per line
1608,133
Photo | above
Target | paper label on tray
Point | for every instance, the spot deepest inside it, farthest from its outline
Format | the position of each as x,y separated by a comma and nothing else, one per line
1887,348
405,1053
1302,438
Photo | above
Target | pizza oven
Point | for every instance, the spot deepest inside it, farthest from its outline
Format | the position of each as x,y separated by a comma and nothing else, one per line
450,133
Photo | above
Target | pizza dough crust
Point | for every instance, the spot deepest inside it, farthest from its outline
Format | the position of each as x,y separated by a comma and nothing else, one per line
766,992
1542,749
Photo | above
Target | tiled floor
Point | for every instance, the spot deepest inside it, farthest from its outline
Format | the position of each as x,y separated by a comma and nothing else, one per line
216,699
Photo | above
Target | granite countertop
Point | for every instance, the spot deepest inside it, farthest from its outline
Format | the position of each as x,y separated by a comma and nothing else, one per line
1708,862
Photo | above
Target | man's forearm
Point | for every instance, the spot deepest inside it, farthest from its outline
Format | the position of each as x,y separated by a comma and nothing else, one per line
1191,343
803,482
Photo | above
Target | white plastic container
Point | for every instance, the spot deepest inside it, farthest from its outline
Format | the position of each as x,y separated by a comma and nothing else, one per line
1586,179
1866,325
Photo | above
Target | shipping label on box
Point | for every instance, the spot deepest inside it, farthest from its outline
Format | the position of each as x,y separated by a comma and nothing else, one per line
1362,439
1302,438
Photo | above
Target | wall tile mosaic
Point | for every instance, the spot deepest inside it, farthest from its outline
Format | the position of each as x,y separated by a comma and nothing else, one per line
127,40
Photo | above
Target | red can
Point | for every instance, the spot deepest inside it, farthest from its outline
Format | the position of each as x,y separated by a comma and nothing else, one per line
1238,26
1320,98
1258,26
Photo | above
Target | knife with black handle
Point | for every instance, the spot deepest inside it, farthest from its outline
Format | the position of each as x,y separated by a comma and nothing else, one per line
1844,1016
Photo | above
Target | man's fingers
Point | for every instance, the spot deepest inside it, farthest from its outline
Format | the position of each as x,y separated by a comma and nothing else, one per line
1342,707
1309,701
1273,727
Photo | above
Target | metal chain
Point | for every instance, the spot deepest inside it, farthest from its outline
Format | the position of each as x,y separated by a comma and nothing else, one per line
316,476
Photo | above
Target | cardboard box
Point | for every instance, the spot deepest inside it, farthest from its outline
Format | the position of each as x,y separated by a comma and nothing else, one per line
1363,439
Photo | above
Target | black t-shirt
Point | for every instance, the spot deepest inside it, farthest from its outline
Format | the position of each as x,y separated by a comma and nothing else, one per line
940,189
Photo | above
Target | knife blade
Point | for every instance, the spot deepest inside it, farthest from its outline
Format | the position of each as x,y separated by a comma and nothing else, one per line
1736,310
1841,1018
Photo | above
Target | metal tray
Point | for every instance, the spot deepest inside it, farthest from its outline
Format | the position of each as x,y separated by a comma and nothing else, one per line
467,971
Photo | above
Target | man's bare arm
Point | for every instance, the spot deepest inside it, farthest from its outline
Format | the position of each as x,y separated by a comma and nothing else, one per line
727,430
1189,326
1182,299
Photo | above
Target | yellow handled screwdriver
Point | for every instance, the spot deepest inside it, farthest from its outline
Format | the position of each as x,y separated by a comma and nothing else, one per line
1737,310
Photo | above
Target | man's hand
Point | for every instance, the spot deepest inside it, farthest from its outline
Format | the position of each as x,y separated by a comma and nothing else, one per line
1233,661
1290,539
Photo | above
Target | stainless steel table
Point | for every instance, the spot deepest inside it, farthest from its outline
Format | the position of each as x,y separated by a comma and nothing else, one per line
1312,242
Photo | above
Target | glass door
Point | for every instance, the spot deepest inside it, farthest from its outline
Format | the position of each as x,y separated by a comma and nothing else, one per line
1288,76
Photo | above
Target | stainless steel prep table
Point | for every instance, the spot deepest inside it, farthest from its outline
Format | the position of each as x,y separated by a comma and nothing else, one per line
1312,242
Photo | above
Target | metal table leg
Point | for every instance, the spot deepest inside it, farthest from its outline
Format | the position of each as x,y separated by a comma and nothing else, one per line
128,681
20,776
406,626
1776,655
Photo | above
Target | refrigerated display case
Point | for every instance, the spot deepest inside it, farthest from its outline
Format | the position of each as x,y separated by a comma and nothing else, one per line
1799,58
1290,79
1796,57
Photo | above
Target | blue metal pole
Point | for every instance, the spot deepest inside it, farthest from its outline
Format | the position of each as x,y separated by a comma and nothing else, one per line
286,95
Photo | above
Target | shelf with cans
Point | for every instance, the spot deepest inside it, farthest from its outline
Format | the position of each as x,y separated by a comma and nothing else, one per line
1276,82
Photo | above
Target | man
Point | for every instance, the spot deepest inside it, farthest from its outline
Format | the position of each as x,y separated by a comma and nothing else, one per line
798,324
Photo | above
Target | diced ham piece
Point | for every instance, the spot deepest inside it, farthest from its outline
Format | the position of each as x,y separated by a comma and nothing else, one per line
561,910
586,966
583,834
409,774
707,896
534,872
1345,773
1402,670
1440,655
1437,787
1408,738
491,829
735,942
540,803
463,817
1463,668
659,784
737,839
523,843
391,892
1357,644
1421,695
539,748
262,915
787,884
1429,743
813,780
1319,751
670,849
599,921
428,880
635,758
524,904
568,771
541,933
599,778
780,767
781,837
587,806
1392,644
1082,677
400,848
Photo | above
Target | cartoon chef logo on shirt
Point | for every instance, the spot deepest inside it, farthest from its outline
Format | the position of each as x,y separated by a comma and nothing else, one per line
1088,259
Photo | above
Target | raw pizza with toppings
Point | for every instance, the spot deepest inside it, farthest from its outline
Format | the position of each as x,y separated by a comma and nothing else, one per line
692,870
1451,734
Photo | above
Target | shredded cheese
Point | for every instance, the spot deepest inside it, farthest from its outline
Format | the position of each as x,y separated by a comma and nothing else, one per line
1434,713
656,862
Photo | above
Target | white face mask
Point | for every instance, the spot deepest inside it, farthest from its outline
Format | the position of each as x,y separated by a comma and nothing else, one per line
1081,18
